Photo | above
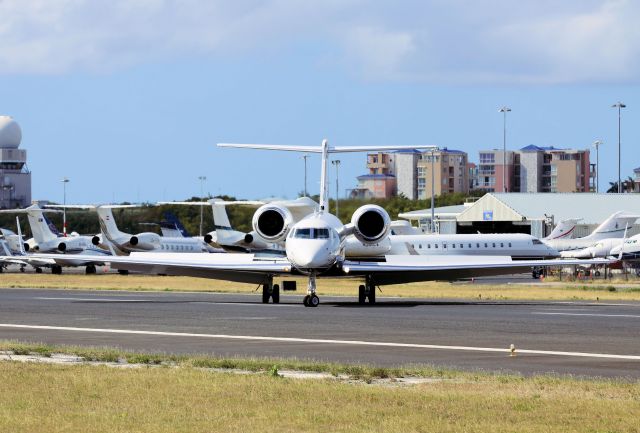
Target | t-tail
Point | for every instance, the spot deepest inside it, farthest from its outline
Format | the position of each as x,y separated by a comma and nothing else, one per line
171,226
564,230
614,226
324,150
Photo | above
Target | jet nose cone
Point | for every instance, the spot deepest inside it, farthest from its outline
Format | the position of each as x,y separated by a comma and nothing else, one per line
311,257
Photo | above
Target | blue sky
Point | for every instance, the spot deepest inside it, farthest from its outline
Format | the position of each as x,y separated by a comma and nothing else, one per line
128,98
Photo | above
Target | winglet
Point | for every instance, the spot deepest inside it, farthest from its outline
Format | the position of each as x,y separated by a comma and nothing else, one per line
20,240
624,239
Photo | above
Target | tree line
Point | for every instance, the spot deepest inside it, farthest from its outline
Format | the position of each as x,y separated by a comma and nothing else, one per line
147,217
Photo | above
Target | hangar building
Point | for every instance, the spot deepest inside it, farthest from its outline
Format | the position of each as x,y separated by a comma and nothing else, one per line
15,177
532,213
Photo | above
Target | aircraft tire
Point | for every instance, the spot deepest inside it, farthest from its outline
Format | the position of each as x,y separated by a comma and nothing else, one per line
313,301
265,294
305,301
372,295
38,270
275,294
362,296
91,269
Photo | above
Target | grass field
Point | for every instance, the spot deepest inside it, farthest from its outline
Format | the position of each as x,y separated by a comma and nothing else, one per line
186,398
581,290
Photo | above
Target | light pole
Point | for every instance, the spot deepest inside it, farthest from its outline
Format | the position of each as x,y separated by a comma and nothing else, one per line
504,110
305,173
433,209
337,164
202,179
64,181
597,144
619,105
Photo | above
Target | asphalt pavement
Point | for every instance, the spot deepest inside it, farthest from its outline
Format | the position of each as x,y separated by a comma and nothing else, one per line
579,338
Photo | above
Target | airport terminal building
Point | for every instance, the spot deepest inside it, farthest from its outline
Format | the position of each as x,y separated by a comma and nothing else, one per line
15,177
531,213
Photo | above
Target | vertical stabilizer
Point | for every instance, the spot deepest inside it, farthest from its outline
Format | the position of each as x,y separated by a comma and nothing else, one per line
564,230
614,226
109,227
41,231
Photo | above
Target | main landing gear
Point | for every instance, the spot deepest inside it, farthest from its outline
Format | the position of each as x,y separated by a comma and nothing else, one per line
367,290
311,300
270,291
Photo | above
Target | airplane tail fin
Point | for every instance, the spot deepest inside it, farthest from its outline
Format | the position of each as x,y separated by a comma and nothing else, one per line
564,230
615,225
171,226
108,224
40,226
20,239
220,217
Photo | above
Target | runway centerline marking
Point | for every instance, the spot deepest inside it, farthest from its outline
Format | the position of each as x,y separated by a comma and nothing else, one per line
546,313
320,341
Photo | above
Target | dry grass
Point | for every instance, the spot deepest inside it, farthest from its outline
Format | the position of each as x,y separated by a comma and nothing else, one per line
83,398
580,290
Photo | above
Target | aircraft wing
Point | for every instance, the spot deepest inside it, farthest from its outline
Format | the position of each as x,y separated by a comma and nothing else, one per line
408,269
242,268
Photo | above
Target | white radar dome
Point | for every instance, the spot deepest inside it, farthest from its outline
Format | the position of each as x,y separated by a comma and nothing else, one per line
10,133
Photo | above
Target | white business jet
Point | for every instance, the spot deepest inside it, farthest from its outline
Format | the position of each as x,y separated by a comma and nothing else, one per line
613,227
46,239
140,242
315,247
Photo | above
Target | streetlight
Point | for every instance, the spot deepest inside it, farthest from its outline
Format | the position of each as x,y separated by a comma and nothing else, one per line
65,181
202,179
597,144
619,105
433,209
305,173
337,164
504,110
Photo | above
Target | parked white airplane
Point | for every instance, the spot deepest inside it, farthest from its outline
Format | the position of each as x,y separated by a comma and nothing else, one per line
146,241
612,228
515,245
46,239
630,249
315,247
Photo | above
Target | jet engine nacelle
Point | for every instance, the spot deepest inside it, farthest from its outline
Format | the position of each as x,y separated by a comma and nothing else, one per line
95,240
62,247
371,224
272,223
145,241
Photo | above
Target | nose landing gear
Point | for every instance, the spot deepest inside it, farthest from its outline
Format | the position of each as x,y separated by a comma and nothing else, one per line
311,300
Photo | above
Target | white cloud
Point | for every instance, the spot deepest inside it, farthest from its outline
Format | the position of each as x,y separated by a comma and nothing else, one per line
453,41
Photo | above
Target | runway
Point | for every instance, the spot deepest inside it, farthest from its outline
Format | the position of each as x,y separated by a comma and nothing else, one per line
586,339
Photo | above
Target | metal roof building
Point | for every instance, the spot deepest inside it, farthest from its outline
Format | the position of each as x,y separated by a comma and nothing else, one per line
536,213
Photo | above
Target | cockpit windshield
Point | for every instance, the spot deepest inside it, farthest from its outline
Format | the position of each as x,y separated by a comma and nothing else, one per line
536,242
311,233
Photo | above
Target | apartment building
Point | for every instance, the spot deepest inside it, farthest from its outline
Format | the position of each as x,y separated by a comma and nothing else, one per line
409,173
535,169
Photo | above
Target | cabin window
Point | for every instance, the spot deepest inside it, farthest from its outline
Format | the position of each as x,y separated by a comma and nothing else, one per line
435,245
444,245
486,245
477,245
509,244
453,245
461,245
470,246
429,246
501,245
420,246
